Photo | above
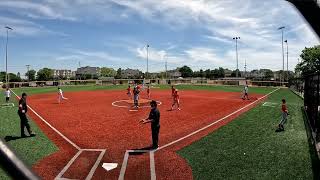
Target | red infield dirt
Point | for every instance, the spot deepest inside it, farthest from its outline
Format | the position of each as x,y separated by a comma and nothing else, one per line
90,121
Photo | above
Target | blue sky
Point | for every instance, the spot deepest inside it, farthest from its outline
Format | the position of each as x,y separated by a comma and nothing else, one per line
114,33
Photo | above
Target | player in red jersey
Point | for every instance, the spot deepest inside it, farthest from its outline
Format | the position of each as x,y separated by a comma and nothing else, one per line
176,100
129,92
148,91
284,117
173,90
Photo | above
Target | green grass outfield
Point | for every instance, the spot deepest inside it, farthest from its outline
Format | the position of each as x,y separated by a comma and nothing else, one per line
30,149
38,90
249,147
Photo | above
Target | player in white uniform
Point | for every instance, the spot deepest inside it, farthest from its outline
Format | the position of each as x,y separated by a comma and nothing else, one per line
245,93
7,93
60,95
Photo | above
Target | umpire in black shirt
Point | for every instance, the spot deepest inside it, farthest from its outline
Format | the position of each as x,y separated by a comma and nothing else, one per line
154,119
23,109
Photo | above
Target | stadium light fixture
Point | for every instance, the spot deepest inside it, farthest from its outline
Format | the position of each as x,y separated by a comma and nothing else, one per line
236,39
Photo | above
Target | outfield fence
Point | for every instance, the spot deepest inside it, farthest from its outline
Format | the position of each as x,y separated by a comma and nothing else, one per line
196,81
312,102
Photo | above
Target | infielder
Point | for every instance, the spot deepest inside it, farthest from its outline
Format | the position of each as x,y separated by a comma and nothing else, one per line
60,95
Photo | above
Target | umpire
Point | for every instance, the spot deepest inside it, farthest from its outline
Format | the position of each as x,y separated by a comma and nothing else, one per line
154,119
23,109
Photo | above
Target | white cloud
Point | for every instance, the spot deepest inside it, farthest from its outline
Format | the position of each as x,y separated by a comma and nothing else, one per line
26,27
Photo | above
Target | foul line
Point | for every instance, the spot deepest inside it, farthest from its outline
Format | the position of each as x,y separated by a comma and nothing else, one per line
96,164
221,119
152,166
125,163
53,128
65,168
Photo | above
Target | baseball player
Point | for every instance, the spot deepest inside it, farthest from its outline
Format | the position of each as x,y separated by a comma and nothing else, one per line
148,91
129,92
22,111
7,94
284,116
60,95
245,92
136,92
176,100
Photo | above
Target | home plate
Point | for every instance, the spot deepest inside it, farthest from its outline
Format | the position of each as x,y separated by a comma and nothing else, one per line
109,166
133,110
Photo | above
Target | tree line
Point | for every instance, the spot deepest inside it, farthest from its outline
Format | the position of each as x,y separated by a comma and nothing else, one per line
310,64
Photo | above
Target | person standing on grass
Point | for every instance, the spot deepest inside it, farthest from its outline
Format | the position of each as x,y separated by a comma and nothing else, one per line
22,112
176,100
245,92
129,92
154,119
60,95
285,113
7,94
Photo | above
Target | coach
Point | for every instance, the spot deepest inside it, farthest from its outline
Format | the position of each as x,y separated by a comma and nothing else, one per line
23,109
154,119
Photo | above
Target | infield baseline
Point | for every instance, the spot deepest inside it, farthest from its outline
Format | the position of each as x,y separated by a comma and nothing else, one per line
65,168
152,167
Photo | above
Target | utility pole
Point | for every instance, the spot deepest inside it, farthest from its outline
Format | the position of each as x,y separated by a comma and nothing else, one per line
236,39
28,68
79,65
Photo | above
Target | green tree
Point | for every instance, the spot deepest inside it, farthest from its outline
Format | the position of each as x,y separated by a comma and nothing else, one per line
119,74
221,73
108,72
31,75
186,71
310,61
45,74
234,73
268,74
14,78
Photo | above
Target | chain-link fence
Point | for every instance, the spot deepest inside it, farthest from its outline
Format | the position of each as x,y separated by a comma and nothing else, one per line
312,102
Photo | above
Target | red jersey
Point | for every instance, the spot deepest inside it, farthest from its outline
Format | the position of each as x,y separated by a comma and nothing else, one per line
173,90
129,90
284,108
176,96
148,90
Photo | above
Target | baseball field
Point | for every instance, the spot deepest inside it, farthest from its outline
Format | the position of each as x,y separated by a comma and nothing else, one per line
215,135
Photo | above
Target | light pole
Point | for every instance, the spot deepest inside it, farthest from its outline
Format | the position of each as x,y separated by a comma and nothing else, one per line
236,39
281,28
147,61
245,69
286,41
28,69
7,77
